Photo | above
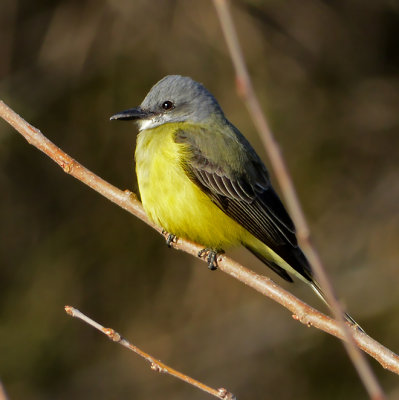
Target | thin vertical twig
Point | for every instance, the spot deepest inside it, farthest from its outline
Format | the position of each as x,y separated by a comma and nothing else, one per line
245,89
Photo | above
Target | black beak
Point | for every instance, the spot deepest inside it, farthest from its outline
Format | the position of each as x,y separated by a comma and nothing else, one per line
132,114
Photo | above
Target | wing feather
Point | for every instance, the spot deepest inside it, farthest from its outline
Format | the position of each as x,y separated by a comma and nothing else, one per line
245,194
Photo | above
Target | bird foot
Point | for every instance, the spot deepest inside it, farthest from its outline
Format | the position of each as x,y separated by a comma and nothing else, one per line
210,256
170,238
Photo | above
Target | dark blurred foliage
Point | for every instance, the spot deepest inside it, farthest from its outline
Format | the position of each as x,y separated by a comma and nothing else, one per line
327,75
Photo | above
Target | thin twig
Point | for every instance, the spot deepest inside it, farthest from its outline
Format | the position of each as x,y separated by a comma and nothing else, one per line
247,92
3,394
262,284
156,365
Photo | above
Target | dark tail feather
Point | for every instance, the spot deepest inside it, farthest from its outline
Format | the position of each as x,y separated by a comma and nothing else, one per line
273,266
317,290
302,267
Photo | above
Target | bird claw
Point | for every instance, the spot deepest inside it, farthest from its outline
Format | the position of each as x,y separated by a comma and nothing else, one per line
210,256
170,238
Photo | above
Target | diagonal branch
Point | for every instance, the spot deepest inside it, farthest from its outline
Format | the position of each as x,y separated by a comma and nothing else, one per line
245,89
156,365
128,201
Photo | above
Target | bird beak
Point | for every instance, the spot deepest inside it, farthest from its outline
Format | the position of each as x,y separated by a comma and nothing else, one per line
132,114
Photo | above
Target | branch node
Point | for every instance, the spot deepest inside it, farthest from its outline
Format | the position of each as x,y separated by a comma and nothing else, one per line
112,334
131,196
157,368
303,318
225,394
66,166
128,192
69,310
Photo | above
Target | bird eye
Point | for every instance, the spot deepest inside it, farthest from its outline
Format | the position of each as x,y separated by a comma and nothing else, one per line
167,105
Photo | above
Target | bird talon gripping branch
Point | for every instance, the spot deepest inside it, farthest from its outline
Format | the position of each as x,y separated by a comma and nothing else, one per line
210,257
170,239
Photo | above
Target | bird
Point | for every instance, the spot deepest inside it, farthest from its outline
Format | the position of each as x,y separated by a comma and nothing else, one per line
199,178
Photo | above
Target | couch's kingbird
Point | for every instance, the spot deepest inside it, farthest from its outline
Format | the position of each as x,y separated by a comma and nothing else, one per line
200,179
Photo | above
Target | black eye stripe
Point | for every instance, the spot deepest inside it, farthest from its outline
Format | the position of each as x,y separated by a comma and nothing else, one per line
167,105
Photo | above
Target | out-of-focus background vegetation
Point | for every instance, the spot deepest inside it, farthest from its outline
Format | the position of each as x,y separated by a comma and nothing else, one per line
327,76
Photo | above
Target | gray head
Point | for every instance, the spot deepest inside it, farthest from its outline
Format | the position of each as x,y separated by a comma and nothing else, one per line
174,98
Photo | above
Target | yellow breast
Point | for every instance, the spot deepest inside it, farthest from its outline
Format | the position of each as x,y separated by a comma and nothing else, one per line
171,200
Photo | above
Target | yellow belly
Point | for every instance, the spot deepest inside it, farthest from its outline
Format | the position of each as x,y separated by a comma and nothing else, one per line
172,201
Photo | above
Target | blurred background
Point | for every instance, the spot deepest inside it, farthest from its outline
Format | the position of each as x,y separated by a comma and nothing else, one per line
327,76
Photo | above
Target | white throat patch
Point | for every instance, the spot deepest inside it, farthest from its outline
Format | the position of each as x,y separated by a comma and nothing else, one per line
154,122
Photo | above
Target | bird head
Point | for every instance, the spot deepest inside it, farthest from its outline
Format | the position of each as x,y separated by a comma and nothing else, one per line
174,98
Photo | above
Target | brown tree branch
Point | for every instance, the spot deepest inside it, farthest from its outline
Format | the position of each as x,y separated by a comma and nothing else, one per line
3,394
128,201
245,89
156,365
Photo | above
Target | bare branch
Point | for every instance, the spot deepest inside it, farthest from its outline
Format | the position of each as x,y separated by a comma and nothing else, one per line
3,394
156,365
245,89
302,312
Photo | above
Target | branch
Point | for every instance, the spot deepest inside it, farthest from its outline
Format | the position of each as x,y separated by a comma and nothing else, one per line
245,89
128,201
3,394
156,365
